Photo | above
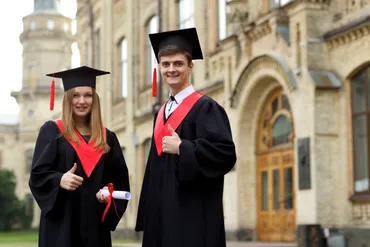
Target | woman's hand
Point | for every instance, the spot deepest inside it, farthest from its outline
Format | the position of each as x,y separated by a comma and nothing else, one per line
70,181
101,198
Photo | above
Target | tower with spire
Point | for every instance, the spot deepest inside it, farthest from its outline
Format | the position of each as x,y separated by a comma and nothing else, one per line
47,47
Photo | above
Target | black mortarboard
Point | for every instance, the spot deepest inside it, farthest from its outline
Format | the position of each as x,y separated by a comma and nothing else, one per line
184,38
78,77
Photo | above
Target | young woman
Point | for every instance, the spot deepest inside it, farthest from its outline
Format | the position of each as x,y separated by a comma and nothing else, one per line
74,158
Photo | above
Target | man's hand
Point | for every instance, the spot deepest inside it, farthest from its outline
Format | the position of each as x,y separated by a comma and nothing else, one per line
70,181
171,144
101,198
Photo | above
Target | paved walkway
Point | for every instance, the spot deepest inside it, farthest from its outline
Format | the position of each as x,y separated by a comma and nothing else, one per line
229,244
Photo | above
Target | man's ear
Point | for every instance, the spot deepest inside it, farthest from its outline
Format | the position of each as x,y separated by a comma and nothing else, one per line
191,65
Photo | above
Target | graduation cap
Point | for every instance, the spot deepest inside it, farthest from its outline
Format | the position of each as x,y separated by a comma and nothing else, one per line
186,39
83,76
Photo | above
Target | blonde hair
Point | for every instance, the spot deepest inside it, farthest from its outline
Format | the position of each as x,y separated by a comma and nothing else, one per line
94,119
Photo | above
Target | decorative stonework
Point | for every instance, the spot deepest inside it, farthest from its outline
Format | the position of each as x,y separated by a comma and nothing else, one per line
259,31
261,63
217,67
238,15
361,214
349,36
355,5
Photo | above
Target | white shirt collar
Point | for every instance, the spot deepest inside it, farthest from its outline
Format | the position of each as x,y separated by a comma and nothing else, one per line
183,94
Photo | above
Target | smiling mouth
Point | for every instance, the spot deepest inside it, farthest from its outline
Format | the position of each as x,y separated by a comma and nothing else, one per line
81,108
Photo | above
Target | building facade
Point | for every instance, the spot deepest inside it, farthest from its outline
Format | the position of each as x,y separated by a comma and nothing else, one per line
293,77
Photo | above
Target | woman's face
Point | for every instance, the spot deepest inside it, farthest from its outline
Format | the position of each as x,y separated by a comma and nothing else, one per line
82,101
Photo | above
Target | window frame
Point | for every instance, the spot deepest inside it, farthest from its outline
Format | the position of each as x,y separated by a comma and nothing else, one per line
357,196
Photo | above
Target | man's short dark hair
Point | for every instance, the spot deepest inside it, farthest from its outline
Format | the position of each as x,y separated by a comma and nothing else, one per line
173,49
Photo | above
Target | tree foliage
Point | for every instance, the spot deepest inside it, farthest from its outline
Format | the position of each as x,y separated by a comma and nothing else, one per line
13,212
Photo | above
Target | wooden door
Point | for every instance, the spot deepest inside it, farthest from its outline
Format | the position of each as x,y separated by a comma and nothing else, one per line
275,171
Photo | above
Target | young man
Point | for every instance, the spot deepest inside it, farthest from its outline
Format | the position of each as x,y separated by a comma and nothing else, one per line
192,149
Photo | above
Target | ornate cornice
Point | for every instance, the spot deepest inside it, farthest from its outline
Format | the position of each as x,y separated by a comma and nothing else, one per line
255,32
348,33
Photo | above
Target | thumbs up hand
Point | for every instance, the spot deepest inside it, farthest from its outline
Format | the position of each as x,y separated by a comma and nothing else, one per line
171,144
70,181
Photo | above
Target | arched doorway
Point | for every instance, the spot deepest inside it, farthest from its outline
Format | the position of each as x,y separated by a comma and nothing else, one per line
275,170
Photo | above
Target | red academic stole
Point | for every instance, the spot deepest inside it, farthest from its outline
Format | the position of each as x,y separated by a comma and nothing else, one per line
87,153
161,130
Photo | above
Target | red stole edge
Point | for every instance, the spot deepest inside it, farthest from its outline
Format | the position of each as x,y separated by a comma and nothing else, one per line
86,152
161,130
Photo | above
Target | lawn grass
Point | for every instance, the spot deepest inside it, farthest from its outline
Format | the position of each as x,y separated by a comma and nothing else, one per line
15,237
31,237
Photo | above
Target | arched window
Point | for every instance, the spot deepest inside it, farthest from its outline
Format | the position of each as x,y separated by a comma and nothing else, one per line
360,105
276,123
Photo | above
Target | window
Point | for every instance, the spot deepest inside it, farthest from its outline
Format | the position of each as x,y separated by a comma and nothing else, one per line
123,68
298,45
51,24
29,156
33,25
186,13
269,5
152,27
222,33
277,3
360,97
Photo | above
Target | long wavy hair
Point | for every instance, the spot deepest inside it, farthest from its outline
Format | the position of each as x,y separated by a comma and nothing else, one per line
94,119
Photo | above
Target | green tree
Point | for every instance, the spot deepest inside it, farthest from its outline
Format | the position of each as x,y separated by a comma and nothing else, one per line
9,202
12,210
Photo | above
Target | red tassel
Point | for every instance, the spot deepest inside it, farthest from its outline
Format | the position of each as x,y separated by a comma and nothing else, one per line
154,83
52,94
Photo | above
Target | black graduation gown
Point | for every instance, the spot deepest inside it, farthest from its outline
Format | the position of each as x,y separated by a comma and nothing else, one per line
181,197
73,218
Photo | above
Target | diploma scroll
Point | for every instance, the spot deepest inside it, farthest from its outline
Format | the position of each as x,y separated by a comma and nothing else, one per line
117,194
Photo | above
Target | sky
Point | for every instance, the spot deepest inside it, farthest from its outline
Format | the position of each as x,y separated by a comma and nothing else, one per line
11,27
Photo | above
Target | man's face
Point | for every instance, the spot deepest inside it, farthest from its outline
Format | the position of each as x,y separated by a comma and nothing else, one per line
175,70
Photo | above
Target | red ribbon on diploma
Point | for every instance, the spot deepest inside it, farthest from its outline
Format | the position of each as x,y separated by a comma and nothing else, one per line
109,201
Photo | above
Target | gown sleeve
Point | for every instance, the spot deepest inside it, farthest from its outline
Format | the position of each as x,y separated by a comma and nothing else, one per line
44,181
212,152
116,173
